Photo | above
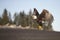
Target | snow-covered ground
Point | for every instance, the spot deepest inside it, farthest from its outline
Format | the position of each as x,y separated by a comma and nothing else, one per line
14,26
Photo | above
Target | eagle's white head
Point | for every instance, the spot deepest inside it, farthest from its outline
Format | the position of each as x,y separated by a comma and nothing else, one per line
34,17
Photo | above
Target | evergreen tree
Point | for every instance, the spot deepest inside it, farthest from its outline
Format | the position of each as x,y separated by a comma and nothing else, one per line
10,20
22,19
15,18
5,17
1,21
30,18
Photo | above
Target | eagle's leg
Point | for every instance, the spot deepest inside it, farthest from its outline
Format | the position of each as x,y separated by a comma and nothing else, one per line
40,27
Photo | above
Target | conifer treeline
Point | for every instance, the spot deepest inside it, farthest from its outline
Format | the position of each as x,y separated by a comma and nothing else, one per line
21,18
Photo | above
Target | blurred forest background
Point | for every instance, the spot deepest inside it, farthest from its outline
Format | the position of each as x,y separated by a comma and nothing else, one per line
21,18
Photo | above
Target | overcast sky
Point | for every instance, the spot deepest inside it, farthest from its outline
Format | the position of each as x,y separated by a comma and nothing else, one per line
19,5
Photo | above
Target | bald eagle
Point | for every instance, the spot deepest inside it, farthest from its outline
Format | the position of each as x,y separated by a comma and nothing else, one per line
44,19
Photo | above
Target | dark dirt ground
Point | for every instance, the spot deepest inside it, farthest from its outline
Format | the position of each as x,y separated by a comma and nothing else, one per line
27,34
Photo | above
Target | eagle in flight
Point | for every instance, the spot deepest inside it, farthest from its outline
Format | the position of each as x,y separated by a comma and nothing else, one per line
44,19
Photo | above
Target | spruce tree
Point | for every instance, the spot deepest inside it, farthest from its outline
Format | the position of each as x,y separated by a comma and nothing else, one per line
5,17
